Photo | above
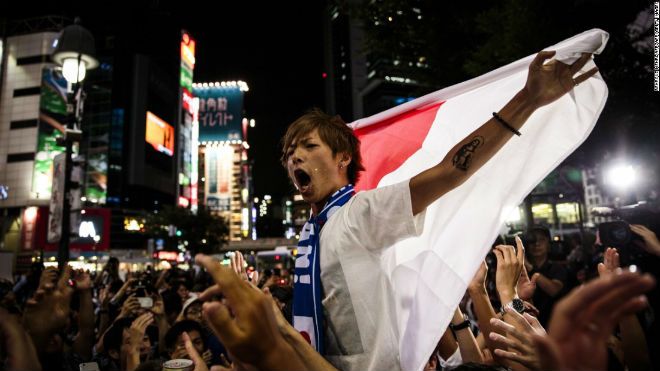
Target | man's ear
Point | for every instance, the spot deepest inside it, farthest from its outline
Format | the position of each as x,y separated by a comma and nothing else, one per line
345,158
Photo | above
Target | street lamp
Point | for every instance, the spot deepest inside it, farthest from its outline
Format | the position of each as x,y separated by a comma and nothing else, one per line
75,53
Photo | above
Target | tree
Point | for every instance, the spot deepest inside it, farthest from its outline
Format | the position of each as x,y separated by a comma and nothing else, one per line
202,232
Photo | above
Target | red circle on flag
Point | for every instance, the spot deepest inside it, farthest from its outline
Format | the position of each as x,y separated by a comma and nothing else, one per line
306,336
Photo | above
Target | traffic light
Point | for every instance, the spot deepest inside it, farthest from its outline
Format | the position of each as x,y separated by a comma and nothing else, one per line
178,233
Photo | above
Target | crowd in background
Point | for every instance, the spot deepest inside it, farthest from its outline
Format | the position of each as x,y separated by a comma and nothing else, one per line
580,309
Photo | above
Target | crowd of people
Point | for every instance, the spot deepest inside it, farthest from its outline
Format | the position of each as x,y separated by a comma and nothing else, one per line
224,318
525,308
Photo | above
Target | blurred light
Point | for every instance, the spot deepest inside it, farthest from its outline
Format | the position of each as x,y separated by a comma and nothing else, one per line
513,216
72,70
30,214
620,176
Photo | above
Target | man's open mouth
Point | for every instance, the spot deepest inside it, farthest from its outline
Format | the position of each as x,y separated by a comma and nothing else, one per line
302,178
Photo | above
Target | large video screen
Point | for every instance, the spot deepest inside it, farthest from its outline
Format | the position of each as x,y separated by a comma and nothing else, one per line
159,134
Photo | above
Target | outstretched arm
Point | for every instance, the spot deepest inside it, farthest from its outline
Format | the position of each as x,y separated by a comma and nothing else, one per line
545,84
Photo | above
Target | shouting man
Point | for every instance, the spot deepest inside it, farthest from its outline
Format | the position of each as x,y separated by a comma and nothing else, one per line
343,301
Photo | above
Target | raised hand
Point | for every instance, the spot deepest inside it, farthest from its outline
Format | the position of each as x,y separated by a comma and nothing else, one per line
48,310
610,262
251,334
509,266
479,279
135,337
48,278
238,265
158,309
547,82
582,321
192,354
525,286
651,243
515,344
83,279
130,307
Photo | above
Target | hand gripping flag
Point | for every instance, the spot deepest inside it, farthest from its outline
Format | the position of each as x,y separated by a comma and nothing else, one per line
430,273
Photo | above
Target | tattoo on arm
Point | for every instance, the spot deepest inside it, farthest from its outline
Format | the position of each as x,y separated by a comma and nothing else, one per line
463,157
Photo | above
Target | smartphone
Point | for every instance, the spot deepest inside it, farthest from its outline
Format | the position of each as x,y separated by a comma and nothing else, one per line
89,366
145,302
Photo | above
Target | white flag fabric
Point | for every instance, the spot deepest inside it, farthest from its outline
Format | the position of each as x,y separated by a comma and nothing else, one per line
430,273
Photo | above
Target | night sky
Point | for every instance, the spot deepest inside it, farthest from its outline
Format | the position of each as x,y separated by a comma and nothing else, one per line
275,47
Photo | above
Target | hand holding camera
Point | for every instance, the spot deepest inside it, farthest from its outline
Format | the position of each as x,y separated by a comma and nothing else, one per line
650,243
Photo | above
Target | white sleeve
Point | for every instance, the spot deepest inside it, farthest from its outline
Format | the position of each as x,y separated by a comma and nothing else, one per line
383,216
453,360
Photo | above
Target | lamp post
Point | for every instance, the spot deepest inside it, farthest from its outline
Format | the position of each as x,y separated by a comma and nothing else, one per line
75,53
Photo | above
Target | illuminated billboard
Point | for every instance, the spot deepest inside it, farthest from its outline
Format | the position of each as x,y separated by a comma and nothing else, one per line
218,172
159,134
52,113
220,112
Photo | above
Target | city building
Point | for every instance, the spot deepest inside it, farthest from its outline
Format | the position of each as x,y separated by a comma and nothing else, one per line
135,155
225,187
359,84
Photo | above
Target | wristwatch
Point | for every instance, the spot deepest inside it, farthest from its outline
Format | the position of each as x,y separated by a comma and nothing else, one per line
460,326
517,304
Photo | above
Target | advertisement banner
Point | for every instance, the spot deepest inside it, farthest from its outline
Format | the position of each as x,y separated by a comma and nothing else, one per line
54,229
28,229
220,113
159,134
52,116
194,156
92,233
218,172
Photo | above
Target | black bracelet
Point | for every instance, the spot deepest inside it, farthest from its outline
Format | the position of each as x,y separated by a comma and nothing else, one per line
460,326
506,124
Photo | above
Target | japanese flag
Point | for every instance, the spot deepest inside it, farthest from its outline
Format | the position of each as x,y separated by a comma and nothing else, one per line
430,273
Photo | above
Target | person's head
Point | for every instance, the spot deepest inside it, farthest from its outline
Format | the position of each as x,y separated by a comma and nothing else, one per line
174,339
321,154
192,310
113,265
182,290
173,305
116,340
538,249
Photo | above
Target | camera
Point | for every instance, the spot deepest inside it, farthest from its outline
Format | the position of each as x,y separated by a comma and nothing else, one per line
615,234
142,290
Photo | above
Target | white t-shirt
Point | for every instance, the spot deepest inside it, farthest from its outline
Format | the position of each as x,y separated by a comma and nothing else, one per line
358,305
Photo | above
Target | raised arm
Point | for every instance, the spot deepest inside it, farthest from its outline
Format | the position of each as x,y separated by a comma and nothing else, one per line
85,337
545,84
483,308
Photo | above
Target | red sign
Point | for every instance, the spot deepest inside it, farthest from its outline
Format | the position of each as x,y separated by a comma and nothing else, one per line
183,202
168,255
29,228
187,101
188,49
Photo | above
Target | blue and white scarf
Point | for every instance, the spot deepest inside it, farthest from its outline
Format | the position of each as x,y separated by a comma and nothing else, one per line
307,309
